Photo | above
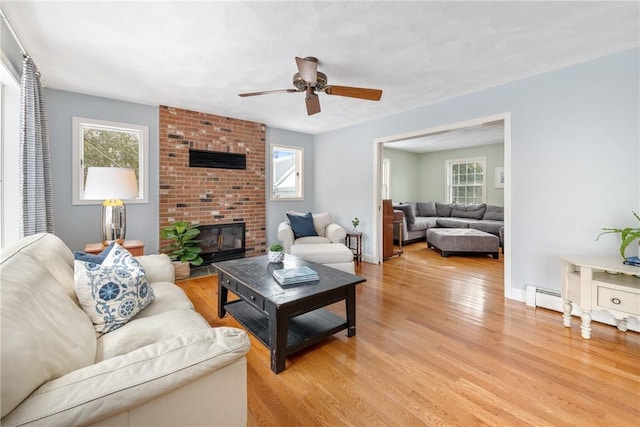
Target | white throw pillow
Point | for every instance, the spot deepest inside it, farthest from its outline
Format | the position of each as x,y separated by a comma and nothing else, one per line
113,292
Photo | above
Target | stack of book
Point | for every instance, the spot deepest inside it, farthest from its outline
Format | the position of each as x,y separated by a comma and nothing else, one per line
633,260
289,276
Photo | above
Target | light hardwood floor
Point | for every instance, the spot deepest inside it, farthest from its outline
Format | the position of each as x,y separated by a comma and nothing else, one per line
438,344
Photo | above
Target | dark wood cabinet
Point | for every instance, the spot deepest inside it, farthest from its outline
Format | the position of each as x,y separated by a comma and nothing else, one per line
388,223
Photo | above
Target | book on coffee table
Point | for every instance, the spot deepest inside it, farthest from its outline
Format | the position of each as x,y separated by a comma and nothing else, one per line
289,276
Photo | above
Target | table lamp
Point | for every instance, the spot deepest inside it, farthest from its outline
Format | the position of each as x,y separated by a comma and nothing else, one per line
111,185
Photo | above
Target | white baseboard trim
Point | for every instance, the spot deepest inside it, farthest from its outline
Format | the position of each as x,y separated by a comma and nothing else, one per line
552,300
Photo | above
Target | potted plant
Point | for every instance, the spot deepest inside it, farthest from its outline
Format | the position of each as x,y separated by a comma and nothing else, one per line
276,253
183,250
628,235
355,222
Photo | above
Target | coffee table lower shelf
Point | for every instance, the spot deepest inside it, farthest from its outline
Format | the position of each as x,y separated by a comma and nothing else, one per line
304,330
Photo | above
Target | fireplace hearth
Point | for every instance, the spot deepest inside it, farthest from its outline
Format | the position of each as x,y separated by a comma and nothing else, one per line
221,242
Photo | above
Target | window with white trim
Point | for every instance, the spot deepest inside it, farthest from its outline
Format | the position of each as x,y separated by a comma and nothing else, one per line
286,173
466,181
98,143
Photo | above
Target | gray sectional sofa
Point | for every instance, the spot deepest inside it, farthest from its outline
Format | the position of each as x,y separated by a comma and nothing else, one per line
420,216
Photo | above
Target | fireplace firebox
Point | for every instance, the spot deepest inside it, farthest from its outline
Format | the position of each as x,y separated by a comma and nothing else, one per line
220,242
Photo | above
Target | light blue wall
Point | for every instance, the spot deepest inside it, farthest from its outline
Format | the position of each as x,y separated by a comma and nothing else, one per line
276,210
403,175
432,175
421,176
574,161
77,225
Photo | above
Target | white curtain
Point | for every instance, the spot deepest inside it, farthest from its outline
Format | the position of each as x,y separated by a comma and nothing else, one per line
36,204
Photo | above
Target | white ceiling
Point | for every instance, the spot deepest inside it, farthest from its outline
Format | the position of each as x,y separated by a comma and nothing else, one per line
200,55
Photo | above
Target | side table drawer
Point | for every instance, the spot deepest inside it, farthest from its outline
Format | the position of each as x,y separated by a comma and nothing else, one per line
615,299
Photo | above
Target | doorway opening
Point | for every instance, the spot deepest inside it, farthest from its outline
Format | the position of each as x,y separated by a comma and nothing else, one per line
427,136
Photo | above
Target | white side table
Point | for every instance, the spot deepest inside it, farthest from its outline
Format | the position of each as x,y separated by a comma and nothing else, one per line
600,283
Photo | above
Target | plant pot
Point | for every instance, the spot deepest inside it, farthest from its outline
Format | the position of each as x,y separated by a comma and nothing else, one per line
276,256
182,270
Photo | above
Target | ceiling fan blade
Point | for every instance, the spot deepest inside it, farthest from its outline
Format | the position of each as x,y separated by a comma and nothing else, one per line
354,92
308,69
312,101
266,92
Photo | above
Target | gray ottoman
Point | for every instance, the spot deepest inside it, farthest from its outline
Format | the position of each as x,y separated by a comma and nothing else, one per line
463,240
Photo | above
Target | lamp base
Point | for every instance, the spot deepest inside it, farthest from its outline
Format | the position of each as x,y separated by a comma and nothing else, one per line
113,222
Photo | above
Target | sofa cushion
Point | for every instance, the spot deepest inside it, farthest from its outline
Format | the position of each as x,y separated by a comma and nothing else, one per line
468,211
427,209
301,224
113,292
487,226
452,223
143,331
320,222
443,209
409,211
48,337
495,213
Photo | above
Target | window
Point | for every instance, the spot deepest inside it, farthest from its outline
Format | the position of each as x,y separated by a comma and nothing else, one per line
466,181
286,173
386,170
97,143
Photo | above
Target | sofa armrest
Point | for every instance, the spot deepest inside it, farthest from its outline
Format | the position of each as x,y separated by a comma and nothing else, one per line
157,268
336,233
285,236
99,391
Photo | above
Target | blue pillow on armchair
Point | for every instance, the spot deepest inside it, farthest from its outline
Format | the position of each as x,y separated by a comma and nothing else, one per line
302,225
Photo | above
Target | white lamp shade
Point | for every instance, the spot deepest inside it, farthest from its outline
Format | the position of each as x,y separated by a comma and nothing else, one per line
110,183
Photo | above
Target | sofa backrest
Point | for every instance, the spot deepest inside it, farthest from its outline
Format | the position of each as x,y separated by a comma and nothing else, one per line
44,333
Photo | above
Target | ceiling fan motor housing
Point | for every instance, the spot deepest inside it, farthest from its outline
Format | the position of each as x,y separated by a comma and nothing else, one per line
301,85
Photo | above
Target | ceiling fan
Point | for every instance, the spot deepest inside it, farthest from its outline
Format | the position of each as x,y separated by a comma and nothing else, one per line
308,79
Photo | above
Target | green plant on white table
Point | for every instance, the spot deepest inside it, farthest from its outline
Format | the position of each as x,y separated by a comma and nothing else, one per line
628,235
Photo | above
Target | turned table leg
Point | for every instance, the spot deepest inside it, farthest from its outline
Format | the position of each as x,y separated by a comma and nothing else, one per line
566,314
585,327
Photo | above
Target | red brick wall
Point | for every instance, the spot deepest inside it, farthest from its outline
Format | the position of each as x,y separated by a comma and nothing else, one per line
208,195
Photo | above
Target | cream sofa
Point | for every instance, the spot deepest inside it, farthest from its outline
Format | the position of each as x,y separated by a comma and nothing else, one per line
166,366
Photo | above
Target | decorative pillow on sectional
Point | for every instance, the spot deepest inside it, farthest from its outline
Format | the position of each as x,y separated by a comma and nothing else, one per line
409,212
427,209
302,225
469,211
113,292
443,209
96,259
494,213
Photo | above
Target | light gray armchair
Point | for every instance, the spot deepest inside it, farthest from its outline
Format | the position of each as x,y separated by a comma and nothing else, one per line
327,232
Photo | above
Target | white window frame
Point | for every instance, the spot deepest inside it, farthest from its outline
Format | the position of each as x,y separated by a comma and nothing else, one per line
449,185
298,173
81,123
386,178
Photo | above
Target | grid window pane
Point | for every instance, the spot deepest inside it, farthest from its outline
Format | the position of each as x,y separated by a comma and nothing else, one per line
466,180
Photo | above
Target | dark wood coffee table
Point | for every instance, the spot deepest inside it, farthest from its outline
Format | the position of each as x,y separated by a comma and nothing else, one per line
288,318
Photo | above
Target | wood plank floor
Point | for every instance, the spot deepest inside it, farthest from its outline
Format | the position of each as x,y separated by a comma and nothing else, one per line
437,344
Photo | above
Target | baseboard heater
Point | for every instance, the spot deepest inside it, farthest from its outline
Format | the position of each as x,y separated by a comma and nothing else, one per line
552,300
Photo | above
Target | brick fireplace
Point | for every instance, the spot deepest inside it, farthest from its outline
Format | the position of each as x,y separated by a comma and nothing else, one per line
224,193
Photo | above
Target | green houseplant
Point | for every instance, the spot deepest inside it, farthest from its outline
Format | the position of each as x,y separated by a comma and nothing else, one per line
355,222
276,253
184,250
628,235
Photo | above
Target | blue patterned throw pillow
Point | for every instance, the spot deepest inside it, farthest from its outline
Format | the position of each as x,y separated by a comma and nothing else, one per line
113,292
